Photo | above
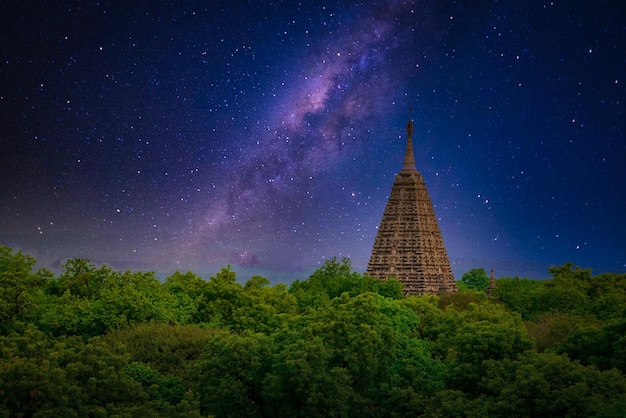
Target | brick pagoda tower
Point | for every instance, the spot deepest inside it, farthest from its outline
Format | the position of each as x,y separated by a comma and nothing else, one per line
409,245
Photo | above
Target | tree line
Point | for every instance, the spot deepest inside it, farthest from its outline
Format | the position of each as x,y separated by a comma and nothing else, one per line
94,341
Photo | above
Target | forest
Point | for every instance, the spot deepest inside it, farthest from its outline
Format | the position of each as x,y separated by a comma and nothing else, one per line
91,341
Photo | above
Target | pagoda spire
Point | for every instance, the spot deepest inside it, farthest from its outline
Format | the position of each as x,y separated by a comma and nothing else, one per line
409,245
492,284
409,156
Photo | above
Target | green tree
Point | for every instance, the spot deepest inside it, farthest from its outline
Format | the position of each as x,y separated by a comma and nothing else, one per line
599,346
83,278
391,288
303,380
550,329
41,376
469,338
17,282
476,279
164,388
95,300
170,349
365,356
358,356
263,307
550,385
222,296
62,377
135,297
189,291
335,278
232,370
520,295
256,282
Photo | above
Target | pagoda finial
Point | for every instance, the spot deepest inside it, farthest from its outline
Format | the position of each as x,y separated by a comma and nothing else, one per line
409,157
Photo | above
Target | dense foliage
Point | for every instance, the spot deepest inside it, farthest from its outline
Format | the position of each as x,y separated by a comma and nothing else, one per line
93,341
475,279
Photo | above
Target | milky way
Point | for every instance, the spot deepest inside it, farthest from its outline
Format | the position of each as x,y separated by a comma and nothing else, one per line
312,126
267,136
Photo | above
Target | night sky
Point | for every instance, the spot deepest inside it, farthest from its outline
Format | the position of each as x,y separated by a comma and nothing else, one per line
266,135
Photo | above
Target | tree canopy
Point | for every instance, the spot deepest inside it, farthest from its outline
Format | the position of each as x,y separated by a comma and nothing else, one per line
475,279
94,341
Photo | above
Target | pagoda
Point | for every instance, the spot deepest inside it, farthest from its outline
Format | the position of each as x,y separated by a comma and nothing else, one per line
409,245
492,285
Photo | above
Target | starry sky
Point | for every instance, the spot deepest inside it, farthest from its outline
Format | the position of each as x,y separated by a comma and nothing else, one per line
187,135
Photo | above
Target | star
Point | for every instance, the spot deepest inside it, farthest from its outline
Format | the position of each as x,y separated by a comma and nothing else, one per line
268,137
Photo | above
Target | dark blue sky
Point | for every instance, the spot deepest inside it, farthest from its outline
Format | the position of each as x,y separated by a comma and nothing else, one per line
266,135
